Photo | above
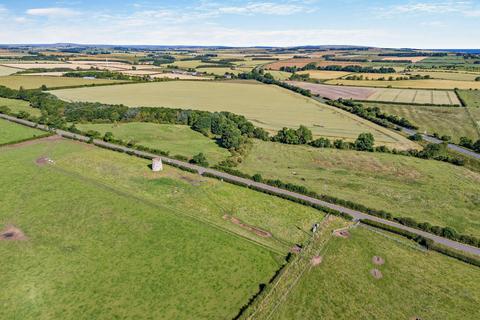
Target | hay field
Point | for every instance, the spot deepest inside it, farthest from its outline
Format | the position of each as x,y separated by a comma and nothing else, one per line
176,139
6,71
270,107
10,132
118,241
380,94
222,71
454,122
417,84
34,82
415,284
426,190
324,75
16,106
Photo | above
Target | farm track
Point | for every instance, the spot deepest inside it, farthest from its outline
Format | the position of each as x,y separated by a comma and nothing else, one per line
356,215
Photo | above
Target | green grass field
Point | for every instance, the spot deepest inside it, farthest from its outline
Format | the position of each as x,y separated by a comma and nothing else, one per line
267,106
35,82
454,122
471,97
415,284
448,75
16,106
107,238
426,190
324,75
177,139
417,84
10,132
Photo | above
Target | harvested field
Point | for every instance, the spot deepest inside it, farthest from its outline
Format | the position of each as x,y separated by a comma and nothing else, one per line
380,94
411,84
324,75
412,59
35,82
425,284
269,107
6,71
335,92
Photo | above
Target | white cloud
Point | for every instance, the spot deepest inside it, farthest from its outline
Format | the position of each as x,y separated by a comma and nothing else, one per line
52,12
466,8
267,8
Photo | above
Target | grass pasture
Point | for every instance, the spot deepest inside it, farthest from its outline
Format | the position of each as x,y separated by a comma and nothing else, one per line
107,238
35,82
10,132
455,122
16,106
409,84
267,106
415,284
426,190
177,139
471,98
448,75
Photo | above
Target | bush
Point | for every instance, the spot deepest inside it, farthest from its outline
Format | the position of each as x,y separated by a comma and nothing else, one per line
200,159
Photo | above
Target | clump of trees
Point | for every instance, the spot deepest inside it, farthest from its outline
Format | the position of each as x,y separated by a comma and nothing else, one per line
469,144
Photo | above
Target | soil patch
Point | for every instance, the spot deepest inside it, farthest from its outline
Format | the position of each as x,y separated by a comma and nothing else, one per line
343,233
377,274
378,260
12,233
34,141
257,231
316,260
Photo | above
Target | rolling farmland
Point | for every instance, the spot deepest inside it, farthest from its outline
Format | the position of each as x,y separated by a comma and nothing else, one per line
144,244
454,122
381,94
10,132
176,139
266,106
6,71
404,291
426,190
408,84
324,75
35,82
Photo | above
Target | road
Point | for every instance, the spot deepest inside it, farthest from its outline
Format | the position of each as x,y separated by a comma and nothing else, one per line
451,146
356,215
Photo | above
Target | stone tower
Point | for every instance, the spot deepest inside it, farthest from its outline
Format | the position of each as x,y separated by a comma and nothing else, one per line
157,164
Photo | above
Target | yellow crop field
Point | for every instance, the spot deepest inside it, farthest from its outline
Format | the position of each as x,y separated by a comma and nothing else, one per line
267,106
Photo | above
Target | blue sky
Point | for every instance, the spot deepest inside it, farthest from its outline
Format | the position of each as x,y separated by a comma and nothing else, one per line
390,23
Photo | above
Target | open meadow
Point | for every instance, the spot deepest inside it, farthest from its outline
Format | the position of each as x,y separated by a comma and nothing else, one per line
11,132
380,94
176,139
409,84
16,106
35,82
452,121
324,75
470,97
409,283
101,236
426,190
267,106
